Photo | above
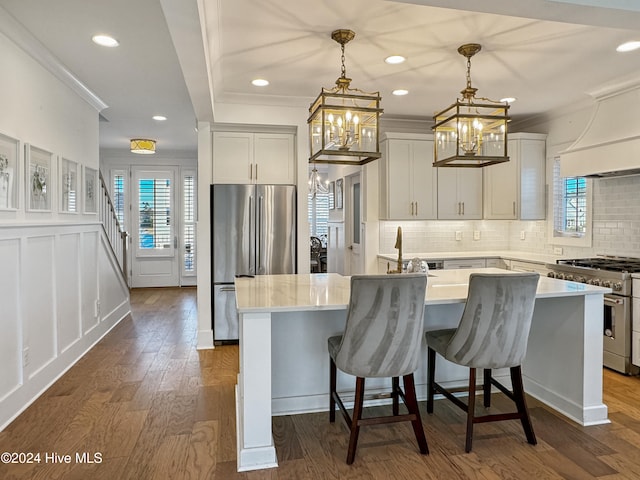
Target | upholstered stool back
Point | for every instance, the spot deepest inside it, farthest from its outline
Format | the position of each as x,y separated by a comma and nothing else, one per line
384,326
494,328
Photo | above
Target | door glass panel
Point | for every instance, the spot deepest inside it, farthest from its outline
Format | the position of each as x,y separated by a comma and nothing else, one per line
356,213
189,237
154,196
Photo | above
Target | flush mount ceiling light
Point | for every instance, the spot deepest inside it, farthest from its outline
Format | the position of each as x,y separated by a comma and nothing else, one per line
159,118
105,40
143,146
400,92
394,59
260,82
508,99
471,132
343,122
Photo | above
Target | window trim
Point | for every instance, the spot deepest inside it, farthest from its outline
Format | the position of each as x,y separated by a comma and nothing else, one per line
569,239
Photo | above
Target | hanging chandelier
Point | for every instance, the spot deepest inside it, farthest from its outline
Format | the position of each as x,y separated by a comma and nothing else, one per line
316,185
343,122
471,132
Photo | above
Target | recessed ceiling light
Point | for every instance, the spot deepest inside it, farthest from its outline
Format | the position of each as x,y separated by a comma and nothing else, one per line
159,118
394,59
260,82
628,46
105,40
400,92
508,99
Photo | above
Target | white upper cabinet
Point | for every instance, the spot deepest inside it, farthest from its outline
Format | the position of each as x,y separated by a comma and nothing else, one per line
459,193
245,157
408,181
516,189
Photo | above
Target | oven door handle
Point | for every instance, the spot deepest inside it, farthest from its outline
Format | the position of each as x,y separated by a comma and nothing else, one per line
613,301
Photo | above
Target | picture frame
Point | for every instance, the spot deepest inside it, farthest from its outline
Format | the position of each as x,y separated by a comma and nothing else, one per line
68,187
38,189
90,189
339,192
332,195
9,172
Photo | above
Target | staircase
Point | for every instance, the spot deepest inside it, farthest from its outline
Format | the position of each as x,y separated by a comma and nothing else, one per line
113,230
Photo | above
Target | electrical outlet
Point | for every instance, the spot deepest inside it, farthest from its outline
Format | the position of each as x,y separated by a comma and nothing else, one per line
458,236
25,357
557,250
476,234
521,234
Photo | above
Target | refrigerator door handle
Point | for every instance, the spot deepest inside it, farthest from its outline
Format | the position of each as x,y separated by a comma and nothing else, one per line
260,236
231,288
251,236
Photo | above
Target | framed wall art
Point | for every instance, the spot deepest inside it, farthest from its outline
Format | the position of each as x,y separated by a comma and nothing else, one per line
90,185
68,186
38,176
9,158
339,192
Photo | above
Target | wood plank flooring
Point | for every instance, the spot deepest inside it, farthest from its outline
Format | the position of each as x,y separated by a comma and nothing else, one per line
153,407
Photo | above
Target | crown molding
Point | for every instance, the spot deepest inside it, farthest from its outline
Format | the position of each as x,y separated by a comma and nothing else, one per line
25,40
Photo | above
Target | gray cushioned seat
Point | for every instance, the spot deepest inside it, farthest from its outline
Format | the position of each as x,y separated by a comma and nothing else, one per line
382,338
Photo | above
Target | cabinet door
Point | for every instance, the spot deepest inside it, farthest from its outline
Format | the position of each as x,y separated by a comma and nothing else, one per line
501,188
232,157
532,180
399,194
425,181
470,192
274,159
449,207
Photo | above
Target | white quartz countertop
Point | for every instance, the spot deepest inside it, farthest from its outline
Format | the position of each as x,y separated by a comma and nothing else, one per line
505,254
330,291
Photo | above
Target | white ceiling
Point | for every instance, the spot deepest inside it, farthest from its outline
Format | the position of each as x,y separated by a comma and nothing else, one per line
548,54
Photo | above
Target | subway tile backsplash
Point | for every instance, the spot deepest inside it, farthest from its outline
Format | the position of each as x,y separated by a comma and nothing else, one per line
616,228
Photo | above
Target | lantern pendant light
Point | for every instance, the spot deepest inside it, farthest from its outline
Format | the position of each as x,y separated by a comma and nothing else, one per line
343,122
471,132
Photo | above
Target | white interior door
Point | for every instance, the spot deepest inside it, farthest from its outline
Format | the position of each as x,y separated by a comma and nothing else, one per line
353,222
155,259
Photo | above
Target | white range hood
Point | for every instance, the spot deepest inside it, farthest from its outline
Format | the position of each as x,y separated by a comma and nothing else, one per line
610,145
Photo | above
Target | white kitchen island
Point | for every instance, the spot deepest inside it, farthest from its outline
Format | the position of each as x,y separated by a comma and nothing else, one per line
285,321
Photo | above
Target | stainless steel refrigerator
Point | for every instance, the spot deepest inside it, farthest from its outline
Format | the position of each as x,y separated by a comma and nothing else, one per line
253,232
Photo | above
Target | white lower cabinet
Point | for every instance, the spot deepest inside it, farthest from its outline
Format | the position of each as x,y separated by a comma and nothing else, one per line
466,263
522,266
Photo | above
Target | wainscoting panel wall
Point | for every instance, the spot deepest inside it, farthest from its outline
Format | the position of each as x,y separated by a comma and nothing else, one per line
60,292
11,338
68,298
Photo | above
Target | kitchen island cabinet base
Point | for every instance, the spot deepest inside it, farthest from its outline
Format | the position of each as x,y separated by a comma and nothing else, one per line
284,363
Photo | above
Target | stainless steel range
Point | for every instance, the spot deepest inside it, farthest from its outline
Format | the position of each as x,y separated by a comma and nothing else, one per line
615,273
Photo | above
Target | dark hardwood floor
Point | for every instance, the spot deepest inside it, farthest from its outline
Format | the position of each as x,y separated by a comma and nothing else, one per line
153,407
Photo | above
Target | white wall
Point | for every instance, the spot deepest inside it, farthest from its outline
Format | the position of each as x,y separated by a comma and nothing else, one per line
59,290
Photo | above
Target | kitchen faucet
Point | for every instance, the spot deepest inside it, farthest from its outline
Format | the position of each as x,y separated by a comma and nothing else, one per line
398,245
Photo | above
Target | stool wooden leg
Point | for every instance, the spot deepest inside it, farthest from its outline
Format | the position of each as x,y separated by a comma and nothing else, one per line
355,421
471,406
332,390
412,406
395,386
521,404
486,388
431,378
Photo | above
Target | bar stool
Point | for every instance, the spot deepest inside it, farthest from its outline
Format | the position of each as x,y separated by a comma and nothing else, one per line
382,338
492,333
